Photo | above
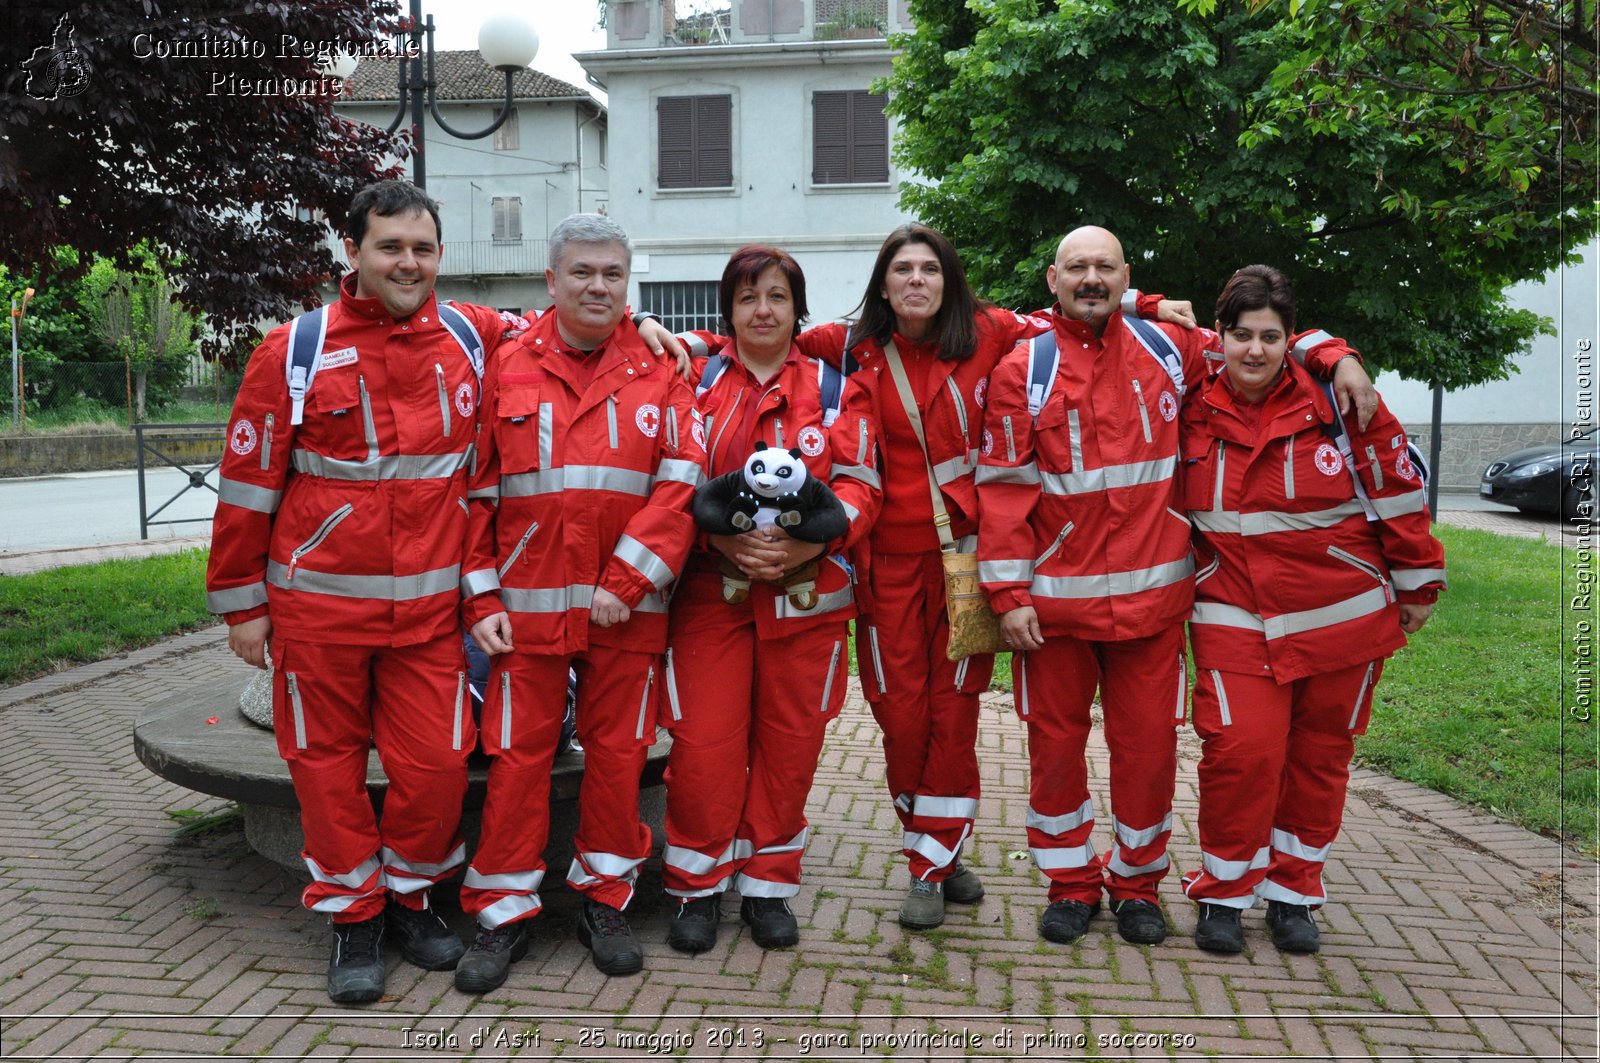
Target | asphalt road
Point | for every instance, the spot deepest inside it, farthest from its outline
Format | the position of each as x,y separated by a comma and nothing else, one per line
97,508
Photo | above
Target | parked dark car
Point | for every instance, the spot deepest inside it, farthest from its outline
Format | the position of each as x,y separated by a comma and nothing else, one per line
1549,478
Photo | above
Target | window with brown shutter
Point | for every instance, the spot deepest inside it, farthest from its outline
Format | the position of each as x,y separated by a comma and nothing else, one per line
694,141
507,218
849,138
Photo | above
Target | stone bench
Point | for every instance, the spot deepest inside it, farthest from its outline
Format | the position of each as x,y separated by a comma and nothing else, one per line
236,760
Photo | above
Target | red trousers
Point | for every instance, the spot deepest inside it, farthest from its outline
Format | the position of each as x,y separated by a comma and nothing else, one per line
522,709
1272,780
330,705
1142,685
927,707
747,717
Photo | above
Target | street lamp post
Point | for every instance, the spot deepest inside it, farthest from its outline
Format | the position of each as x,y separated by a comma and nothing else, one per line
16,326
506,43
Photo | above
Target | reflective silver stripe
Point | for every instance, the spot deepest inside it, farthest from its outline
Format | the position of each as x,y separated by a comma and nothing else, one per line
1400,505
645,560
851,513
1103,583
609,865
455,726
833,666
826,603
383,467
1026,474
1209,571
944,807
1136,839
1267,522
1361,695
1364,604
961,406
697,346
393,861
1222,459
237,599
1222,698
877,658
575,478
464,507
1057,825
1119,866
938,854
797,844
505,710
680,471
491,492
644,701
1233,870
750,886
961,672
297,709
560,599
481,581
1011,570
1308,341
1075,438
354,879
339,903
1223,615
248,496
1288,468
949,471
1065,857
507,880
547,434
695,862
1413,579
1269,890
508,908
381,588
865,474
672,688
1110,477
1290,845
611,420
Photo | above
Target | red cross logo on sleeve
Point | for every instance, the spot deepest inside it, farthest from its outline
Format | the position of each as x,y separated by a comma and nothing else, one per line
648,419
242,440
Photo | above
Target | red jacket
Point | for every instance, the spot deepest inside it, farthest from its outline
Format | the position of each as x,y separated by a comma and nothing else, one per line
1293,578
1079,507
349,528
844,455
580,487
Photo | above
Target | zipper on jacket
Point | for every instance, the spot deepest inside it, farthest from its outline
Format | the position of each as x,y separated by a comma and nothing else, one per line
672,688
1377,469
522,542
611,420
1222,698
1366,684
644,702
1144,414
266,444
367,424
833,667
1366,566
712,449
961,412
1060,538
777,430
861,441
330,523
1075,438
877,658
505,710
444,399
671,428
1288,468
1222,469
464,507
461,693
1011,440
299,711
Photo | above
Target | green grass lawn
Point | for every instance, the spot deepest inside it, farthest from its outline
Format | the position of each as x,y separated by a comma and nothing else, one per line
66,616
1472,707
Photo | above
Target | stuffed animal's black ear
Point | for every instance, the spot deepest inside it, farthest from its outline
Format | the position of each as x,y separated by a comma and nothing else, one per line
761,445
794,452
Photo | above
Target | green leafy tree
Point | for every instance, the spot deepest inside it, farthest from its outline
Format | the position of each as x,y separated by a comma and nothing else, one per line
1032,118
138,317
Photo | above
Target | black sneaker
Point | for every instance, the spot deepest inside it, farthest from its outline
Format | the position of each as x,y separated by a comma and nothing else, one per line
424,938
487,963
355,967
1219,929
1066,921
1140,922
694,924
772,924
1293,929
610,939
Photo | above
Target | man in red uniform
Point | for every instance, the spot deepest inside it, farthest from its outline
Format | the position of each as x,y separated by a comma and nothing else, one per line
588,456
338,537
1085,554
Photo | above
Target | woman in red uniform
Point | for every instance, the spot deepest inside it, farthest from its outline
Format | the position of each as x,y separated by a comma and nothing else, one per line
751,686
1314,561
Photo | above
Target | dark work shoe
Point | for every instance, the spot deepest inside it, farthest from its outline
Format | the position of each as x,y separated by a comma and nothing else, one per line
923,907
1140,922
1219,929
610,939
1066,921
355,967
424,938
694,924
487,963
963,886
1293,929
772,924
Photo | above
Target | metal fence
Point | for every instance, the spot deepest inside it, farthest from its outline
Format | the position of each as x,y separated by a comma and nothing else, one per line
61,396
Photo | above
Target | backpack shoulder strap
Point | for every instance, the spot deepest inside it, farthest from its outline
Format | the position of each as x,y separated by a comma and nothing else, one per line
708,376
1341,439
1160,347
306,335
830,386
461,327
1044,357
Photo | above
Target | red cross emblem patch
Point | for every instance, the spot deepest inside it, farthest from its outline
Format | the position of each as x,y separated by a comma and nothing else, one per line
242,439
648,419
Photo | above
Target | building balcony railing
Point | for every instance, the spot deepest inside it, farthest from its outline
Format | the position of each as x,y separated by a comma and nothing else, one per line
493,258
691,23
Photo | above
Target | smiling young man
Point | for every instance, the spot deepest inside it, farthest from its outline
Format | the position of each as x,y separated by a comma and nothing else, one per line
338,540
588,456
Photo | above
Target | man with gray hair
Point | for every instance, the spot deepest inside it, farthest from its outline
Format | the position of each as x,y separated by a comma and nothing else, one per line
589,451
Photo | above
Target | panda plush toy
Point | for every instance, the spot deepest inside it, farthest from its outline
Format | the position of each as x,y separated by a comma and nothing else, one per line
773,489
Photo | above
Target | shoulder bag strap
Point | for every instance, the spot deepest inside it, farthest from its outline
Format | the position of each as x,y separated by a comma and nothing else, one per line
908,399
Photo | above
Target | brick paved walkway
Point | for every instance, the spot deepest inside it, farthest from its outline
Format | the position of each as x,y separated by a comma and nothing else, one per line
1451,934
